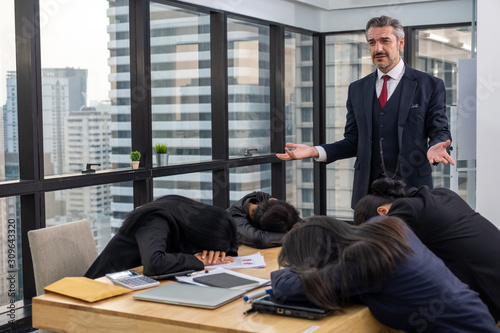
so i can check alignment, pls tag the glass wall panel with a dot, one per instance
(197, 186)
(180, 83)
(93, 203)
(347, 58)
(11, 264)
(298, 121)
(85, 85)
(437, 52)
(248, 88)
(245, 180)
(9, 143)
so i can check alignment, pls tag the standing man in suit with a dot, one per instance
(396, 122)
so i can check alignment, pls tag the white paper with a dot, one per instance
(255, 260)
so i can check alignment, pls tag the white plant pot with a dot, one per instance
(135, 164)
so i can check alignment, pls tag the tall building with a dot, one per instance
(63, 90)
(74, 135)
(87, 142)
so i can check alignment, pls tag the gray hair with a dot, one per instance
(384, 21)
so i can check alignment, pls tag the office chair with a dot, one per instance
(60, 251)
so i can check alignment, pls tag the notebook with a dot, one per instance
(190, 295)
(225, 280)
(265, 304)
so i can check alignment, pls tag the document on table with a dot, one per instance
(255, 260)
(189, 279)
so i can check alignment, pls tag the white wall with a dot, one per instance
(425, 13)
(308, 17)
(279, 11)
(488, 110)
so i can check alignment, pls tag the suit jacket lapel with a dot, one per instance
(409, 86)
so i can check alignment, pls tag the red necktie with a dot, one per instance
(383, 94)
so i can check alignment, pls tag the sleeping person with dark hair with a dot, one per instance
(170, 234)
(262, 221)
(382, 262)
(467, 242)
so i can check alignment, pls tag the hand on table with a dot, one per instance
(213, 257)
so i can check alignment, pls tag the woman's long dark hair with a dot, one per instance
(203, 226)
(383, 191)
(329, 254)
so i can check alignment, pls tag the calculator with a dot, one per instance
(132, 280)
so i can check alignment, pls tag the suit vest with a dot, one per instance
(385, 132)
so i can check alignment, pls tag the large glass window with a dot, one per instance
(245, 180)
(180, 83)
(9, 143)
(85, 85)
(93, 203)
(438, 52)
(197, 186)
(347, 58)
(298, 118)
(248, 88)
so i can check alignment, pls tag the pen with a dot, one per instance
(256, 294)
(198, 273)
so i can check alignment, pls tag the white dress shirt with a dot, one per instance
(396, 74)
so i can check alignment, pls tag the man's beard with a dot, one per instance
(389, 61)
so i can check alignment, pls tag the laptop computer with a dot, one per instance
(190, 295)
(265, 304)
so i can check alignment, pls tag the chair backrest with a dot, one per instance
(60, 251)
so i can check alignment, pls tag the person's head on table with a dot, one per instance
(170, 234)
(274, 215)
(384, 264)
(383, 193)
(202, 227)
(385, 37)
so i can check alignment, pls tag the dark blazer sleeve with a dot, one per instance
(287, 287)
(153, 241)
(347, 147)
(249, 234)
(436, 122)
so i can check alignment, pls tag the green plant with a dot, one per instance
(135, 156)
(161, 148)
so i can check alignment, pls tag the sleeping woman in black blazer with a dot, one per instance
(170, 234)
(467, 242)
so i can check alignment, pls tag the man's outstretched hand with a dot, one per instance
(297, 152)
(438, 154)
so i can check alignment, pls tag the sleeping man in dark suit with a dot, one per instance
(395, 127)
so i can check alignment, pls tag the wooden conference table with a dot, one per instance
(124, 314)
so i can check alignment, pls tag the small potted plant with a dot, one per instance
(161, 154)
(135, 156)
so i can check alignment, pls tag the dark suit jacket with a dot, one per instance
(422, 122)
(156, 245)
(467, 242)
